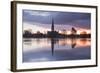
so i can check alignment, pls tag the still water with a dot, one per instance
(46, 49)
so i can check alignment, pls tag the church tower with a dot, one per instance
(52, 27)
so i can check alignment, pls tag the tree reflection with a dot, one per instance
(73, 42)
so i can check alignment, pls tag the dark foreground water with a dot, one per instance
(46, 49)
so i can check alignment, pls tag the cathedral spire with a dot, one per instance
(52, 27)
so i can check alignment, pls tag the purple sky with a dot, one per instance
(81, 20)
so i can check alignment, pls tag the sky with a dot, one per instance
(42, 20)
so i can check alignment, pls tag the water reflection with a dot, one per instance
(53, 41)
(54, 49)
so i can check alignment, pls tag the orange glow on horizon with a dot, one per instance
(35, 28)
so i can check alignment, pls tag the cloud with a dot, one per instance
(77, 19)
(37, 13)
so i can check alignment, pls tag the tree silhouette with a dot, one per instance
(73, 31)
